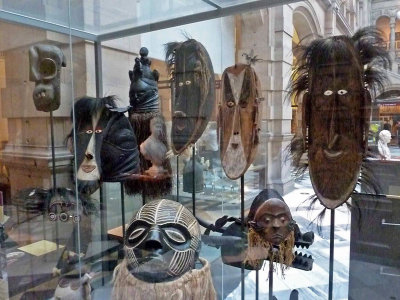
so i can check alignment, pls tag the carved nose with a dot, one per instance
(152, 245)
(153, 241)
(275, 223)
(236, 133)
(89, 155)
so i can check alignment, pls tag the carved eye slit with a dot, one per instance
(180, 83)
(188, 82)
(342, 92)
(89, 131)
(98, 131)
(230, 104)
(328, 93)
(137, 233)
(176, 236)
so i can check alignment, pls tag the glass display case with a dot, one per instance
(173, 149)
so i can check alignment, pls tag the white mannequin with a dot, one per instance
(384, 138)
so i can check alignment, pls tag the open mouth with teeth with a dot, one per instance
(40, 94)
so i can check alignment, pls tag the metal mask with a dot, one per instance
(239, 119)
(143, 92)
(106, 148)
(162, 242)
(45, 67)
(192, 91)
(333, 76)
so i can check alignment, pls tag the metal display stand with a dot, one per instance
(54, 188)
(331, 253)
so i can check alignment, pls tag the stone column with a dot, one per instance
(392, 47)
(278, 108)
(330, 20)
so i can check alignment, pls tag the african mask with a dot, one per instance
(334, 76)
(143, 92)
(192, 91)
(45, 67)
(239, 122)
(150, 130)
(271, 226)
(162, 242)
(106, 148)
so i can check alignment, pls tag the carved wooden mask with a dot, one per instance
(162, 242)
(45, 69)
(193, 91)
(239, 119)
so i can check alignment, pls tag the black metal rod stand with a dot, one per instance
(331, 253)
(53, 162)
(123, 210)
(193, 180)
(177, 178)
(271, 279)
(257, 284)
(242, 228)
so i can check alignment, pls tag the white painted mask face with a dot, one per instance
(89, 170)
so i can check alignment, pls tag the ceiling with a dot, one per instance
(100, 20)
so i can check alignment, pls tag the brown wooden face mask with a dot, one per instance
(192, 91)
(336, 118)
(239, 121)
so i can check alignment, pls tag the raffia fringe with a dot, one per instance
(259, 249)
(194, 285)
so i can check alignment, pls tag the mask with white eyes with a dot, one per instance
(162, 242)
(335, 115)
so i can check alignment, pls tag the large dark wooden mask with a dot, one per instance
(193, 91)
(334, 77)
(46, 62)
(239, 119)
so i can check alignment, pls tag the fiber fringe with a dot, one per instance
(259, 249)
(193, 285)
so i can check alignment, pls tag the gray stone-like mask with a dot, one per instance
(45, 67)
(162, 241)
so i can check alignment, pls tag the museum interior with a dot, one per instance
(199, 149)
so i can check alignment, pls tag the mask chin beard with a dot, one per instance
(88, 187)
(260, 249)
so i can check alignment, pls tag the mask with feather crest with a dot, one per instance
(335, 77)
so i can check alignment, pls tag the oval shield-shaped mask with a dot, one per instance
(239, 119)
(192, 89)
(336, 146)
(331, 83)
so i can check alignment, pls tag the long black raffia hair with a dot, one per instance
(371, 60)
